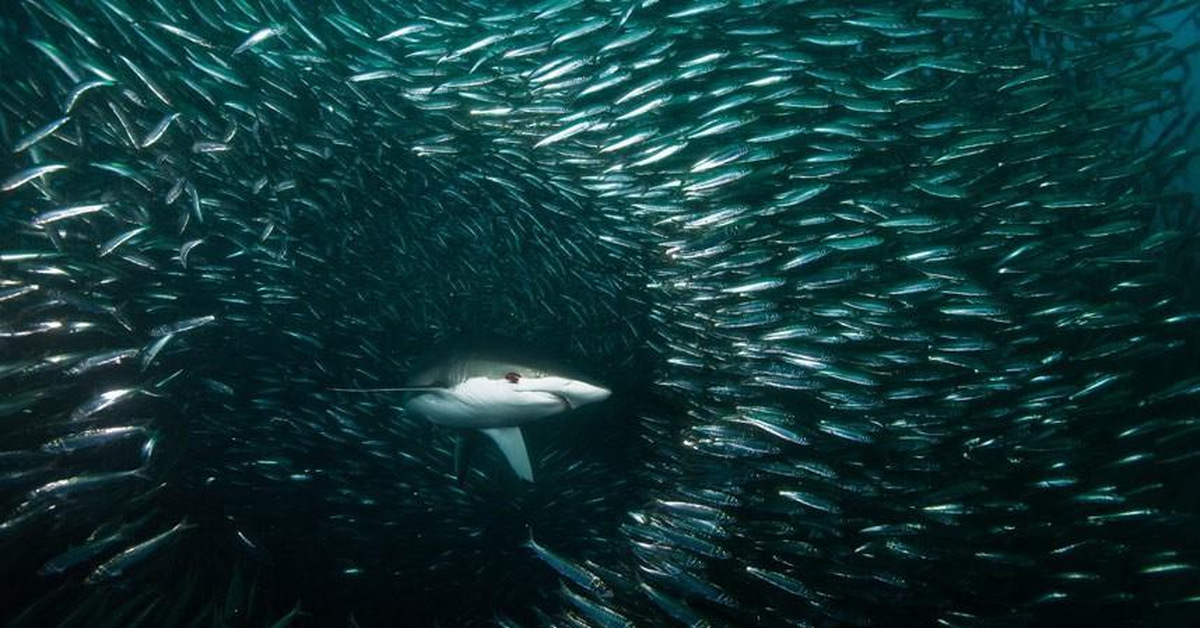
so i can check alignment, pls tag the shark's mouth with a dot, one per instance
(566, 402)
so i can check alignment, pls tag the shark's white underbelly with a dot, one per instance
(479, 403)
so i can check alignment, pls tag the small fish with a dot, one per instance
(258, 37)
(183, 34)
(404, 31)
(82, 88)
(186, 249)
(160, 129)
(83, 553)
(116, 566)
(116, 241)
(178, 327)
(25, 176)
(102, 402)
(40, 134)
(88, 439)
(107, 358)
(151, 352)
(598, 612)
(62, 213)
(570, 570)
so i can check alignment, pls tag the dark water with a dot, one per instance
(896, 301)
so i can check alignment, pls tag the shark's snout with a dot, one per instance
(571, 393)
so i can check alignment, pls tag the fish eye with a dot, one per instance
(512, 377)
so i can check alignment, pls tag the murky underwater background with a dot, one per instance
(897, 301)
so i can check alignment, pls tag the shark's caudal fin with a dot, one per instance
(512, 444)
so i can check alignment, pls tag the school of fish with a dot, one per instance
(897, 301)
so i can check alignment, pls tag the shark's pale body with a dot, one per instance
(496, 397)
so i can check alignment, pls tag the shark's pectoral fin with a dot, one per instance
(512, 444)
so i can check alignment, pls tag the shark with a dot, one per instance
(494, 396)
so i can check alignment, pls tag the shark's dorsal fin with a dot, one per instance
(512, 444)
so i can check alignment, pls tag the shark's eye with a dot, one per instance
(512, 377)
